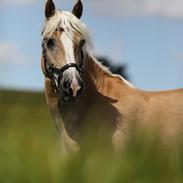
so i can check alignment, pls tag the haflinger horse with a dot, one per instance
(81, 93)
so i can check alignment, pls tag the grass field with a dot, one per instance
(30, 151)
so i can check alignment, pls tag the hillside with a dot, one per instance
(23, 107)
(27, 137)
(30, 151)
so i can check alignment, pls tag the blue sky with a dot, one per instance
(146, 35)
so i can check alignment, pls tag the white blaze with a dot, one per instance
(68, 48)
(70, 58)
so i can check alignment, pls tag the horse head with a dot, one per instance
(64, 47)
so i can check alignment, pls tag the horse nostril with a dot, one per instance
(66, 85)
(80, 90)
(70, 90)
(81, 84)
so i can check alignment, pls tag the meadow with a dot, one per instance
(30, 151)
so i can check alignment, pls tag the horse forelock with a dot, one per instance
(72, 26)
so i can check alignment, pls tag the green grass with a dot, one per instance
(30, 151)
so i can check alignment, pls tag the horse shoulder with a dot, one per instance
(130, 101)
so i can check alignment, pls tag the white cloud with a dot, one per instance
(179, 58)
(19, 1)
(34, 1)
(9, 53)
(122, 8)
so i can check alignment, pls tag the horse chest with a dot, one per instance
(79, 121)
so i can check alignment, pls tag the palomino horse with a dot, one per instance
(80, 91)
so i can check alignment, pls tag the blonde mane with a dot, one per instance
(74, 26)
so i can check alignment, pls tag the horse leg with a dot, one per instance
(52, 101)
(67, 144)
(119, 139)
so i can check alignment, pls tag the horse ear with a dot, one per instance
(49, 9)
(78, 9)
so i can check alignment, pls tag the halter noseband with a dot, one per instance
(51, 72)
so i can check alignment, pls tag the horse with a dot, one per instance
(82, 94)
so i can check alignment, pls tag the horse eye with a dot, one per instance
(50, 43)
(82, 42)
(60, 29)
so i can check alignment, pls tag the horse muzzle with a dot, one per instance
(70, 88)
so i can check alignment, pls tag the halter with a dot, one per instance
(56, 74)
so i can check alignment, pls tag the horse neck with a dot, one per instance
(100, 78)
(102, 91)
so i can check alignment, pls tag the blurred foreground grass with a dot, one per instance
(30, 152)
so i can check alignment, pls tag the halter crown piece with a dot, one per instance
(56, 74)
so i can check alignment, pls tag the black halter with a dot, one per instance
(56, 74)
